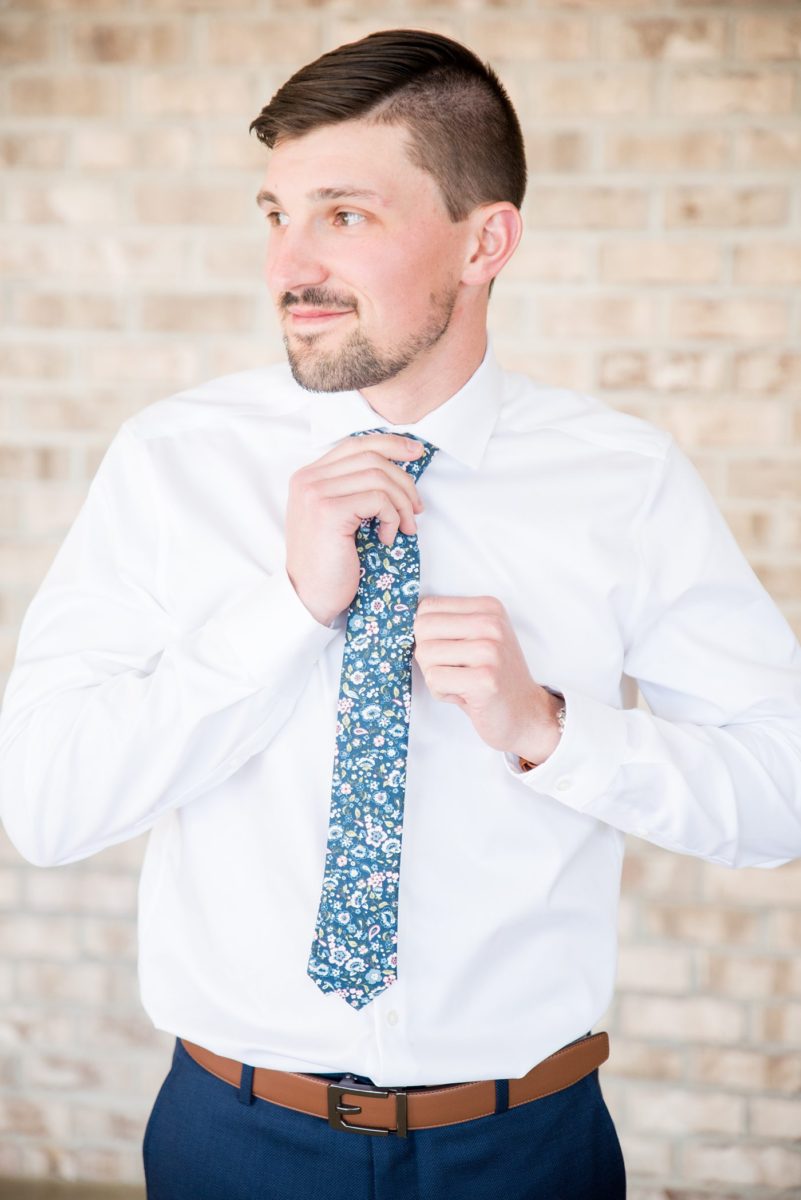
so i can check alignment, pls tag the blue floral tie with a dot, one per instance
(354, 952)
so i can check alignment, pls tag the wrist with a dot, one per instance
(547, 734)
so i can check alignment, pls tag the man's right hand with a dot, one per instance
(328, 500)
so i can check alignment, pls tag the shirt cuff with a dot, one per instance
(270, 629)
(586, 760)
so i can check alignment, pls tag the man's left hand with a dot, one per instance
(469, 655)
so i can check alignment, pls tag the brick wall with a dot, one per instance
(660, 269)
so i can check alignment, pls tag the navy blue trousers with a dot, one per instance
(207, 1140)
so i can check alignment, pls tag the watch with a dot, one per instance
(525, 765)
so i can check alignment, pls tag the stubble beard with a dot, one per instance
(358, 363)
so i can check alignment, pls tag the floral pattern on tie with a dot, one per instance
(354, 953)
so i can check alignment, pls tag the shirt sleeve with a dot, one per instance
(714, 768)
(111, 714)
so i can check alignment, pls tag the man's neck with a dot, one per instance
(427, 383)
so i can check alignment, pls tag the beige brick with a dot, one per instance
(570, 370)
(654, 969)
(65, 95)
(736, 1163)
(68, 1072)
(658, 150)
(238, 43)
(768, 36)
(118, 1031)
(549, 260)
(42, 1118)
(778, 1023)
(68, 310)
(34, 462)
(121, 1121)
(778, 528)
(633, 1059)
(783, 929)
(529, 38)
(664, 261)
(195, 93)
(142, 44)
(768, 371)
(561, 150)
(595, 316)
(667, 372)
(764, 479)
(751, 319)
(690, 1018)
(23, 40)
(712, 93)
(103, 148)
(723, 422)
(235, 257)
(682, 1111)
(590, 94)
(774, 1118)
(743, 975)
(680, 39)
(761, 149)
(721, 206)
(238, 152)
(198, 314)
(50, 511)
(781, 580)
(660, 874)
(33, 148)
(23, 935)
(647, 1158)
(10, 887)
(79, 983)
(745, 1070)
(754, 886)
(25, 562)
(72, 412)
(586, 208)
(768, 262)
(78, 891)
(71, 202)
(193, 6)
(140, 360)
(700, 924)
(184, 204)
(109, 938)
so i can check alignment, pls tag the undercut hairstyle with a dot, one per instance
(463, 128)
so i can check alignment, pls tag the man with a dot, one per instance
(236, 608)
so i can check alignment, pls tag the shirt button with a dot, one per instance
(563, 784)
(392, 1017)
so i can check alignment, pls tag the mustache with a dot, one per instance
(314, 297)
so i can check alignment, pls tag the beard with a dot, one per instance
(358, 362)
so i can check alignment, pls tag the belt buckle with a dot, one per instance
(337, 1110)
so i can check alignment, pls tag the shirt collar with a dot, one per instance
(461, 426)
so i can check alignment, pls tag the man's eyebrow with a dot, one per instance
(346, 192)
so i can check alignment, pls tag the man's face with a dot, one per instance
(364, 283)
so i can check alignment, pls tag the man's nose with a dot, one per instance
(292, 262)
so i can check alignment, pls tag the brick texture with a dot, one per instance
(660, 269)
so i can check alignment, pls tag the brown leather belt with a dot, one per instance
(394, 1110)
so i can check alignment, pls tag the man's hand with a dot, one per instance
(329, 499)
(470, 656)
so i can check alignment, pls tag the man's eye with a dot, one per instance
(358, 217)
(280, 218)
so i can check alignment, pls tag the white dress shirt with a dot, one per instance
(168, 678)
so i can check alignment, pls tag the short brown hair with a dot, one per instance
(464, 130)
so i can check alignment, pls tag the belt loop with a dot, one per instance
(246, 1085)
(501, 1095)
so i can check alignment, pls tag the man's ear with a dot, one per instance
(496, 231)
